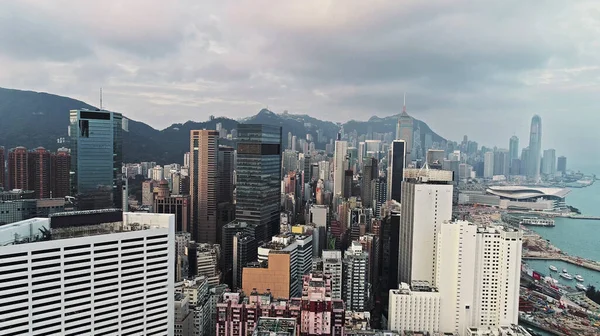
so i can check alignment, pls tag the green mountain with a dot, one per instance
(33, 119)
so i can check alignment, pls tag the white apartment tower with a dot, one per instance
(356, 283)
(488, 165)
(341, 149)
(426, 204)
(414, 309)
(100, 272)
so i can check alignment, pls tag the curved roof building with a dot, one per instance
(522, 193)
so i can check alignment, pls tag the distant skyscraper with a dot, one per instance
(561, 166)
(18, 177)
(501, 162)
(225, 167)
(2, 169)
(513, 148)
(61, 173)
(549, 167)
(258, 172)
(535, 148)
(39, 168)
(524, 161)
(404, 130)
(204, 152)
(488, 165)
(341, 149)
(426, 204)
(370, 173)
(396, 170)
(96, 158)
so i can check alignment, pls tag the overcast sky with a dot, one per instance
(481, 68)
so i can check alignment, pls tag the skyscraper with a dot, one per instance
(39, 167)
(2, 169)
(341, 149)
(204, 151)
(561, 166)
(370, 173)
(488, 165)
(96, 158)
(225, 167)
(501, 162)
(524, 161)
(513, 148)
(549, 167)
(356, 274)
(258, 176)
(404, 130)
(396, 169)
(426, 204)
(535, 148)
(18, 177)
(61, 173)
(244, 251)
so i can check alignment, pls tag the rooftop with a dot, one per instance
(523, 192)
(275, 326)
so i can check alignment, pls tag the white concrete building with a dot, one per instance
(157, 173)
(332, 264)
(319, 215)
(488, 165)
(341, 149)
(414, 309)
(98, 272)
(426, 204)
(355, 292)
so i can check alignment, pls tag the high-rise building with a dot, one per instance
(208, 263)
(347, 188)
(197, 291)
(179, 205)
(321, 313)
(244, 251)
(396, 169)
(356, 278)
(3, 184)
(204, 152)
(535, 148)
(258, 176)
(331, 263)
(18, 167)
(488, 165)
(39, 169)
(71, 270)
(61, 173)
(415, 308)
(513, 148)
(524, 162)
(96, 158)
(379, 194)
(561, 165)
(339, 168)
(549, 167)
(184, 316)
(390, 227)
(426, 204)
(404, 130)
(370, 173)
(501, 162)
(275, 277)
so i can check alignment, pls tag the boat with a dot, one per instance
(565, 270)
(579, 278)
(581, 287)
(553, 268)
(537, 221)
(566, 276)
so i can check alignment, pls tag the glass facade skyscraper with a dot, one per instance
(96, 158)
(258, 172)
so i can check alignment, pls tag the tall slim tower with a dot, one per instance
(96, 158)
(404, 130)
(61, 168)
(513, 148)
(17, 168)
(225, 167)
(258, 172)
(39, 162)
(397, 164)
(535, 148)
(2, 169)
(370, 173)
(204, 152)
(341, 149)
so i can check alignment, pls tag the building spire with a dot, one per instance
(404, 106)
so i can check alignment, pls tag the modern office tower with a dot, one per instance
(331, 263)
(96, 158)
(347, 187)
(39, 170)
(488, 165)
(478, 276)
(227, 248)
(275, 277)
(307, 169)
(339, 168)
(258, 176)
(204, 152)
(324, 170)
(186, 159)
(370, 173)
(513, 148)
(289, 140)
(379, 194)
(396, 169)
(184, 316)
(356, 285)
(464, 171)
(435, 158)
(197, 290)
(362, 153)
(501, 162)
(426, 204)
(244, 251)
(321, 313)
(93, 272)
(294, 143)
(225, 166)
(549, 167)
(415, 307)
(515, 167)
(2, 169)
(148, 193)
(390, 227)
(535, 148)
(61, 173)
(18, 177)
(289, 161)
(404, 130)
(524, 161)
(372, 246)
(561, 165)
(373, 148)
(352, 157)
(208, 263)
(179, 205)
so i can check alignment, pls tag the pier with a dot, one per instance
(584, 217)
(561, 257)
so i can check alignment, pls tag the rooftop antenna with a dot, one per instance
(101, 98)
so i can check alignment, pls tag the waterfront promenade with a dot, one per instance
(535, 247)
